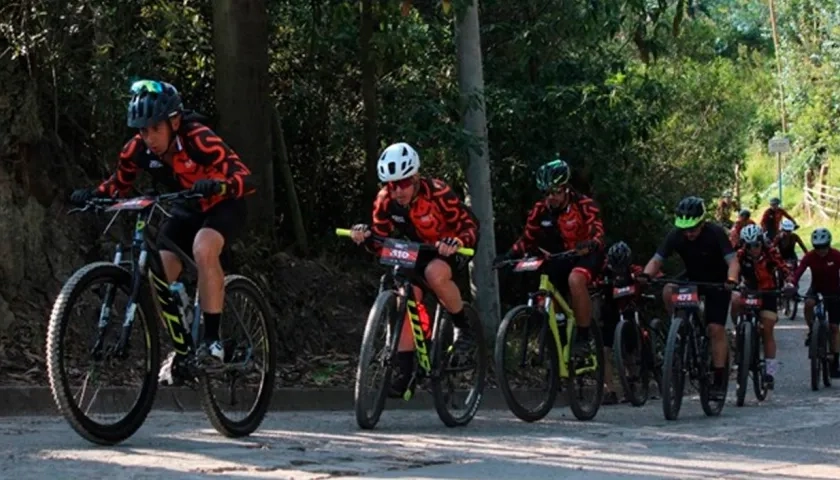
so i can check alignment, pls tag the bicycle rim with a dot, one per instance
(370, 399)
(59, 372)
(744, 359)
(516, 349)
(585, 397)
(454, 381)
(257, 343)
(630, 362)
(759, 368)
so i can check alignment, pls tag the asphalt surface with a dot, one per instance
(791, 435)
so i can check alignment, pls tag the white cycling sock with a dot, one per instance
(772, 366)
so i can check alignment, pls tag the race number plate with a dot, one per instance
(528, 265)
(619, 292)
(686, 296)
(752, 300)
(398, 253)
(133, 204)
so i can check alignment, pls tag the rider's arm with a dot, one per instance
(532, 230)
(592, 217)
(734, 272)
(127, 170)
(776, 258)
(213, 152)
(664, 251)
(729, 255)
(786, 214)
(456, 214)
(382, 225)
(799, 241)
(803, 265)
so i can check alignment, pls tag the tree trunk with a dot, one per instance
(279, 140)
(368, 62)
(480, 197)
(240, 41)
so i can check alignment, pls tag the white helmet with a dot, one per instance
(787, 225)
(752, 234)
(397, 162)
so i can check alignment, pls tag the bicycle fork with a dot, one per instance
(421, 352)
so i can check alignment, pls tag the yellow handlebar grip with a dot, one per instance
(342, 232)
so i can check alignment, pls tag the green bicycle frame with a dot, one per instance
(564, 350)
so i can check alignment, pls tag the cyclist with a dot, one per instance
(824, 263)
(787, 241)
(758, 265)
(725, 207)
(424, 210)
(179, 152)
(743, 220)
(773, 217)
(565, 220)
(618, 271)
(708, 257)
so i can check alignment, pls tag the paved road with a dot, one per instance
(792, 435)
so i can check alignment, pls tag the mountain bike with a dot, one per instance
(819, 347)
(547, 315)
(749, 348)
(137, 273)
(687, 351)
(638, 344)
(436, 361)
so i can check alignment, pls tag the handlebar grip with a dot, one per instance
(466, 251)
(342, 232)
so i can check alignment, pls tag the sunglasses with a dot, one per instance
(401, 184)
(146, 85)
(754, 244)
(555, 191)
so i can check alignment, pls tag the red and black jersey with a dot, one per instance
(771, 219)
(556, 230)
(760, 272)
(201, 155)
(787, 245)
(435, 213)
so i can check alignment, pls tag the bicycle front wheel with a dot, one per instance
(673, 370)
(250, 361)
(100, 291)
(744, 359)
(525, 341)
(375, 359)
(633, 371)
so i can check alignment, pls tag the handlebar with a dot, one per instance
(675, 281)
(345, 232)
(99, 203)
(548, 256)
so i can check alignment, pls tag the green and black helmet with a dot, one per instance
(690, 212)
(552, 175)
(152, 102)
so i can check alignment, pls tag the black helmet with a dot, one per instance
(152, 101)
(775, 202)
(690, 212)
(552, 175)
(618, 256)
(744, 213)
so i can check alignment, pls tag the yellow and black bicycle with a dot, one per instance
(541, 334)
(448, 374)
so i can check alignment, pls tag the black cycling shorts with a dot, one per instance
(832, 307)
(558, 270)
(228, 217)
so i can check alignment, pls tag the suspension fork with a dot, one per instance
(105, 309)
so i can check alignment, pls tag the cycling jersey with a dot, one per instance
(559, 229)
(735, 233)
(706, 257)
(435, 213)
(200, 154)
(759, 273)
(787, 245)
(825, 271)
(724, 209)
(771, 219)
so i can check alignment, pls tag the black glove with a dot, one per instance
(208, 187)
(730, 284)
(451, 242)
(80, 196)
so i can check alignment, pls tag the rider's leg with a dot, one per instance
(735, 306)
(808, 312)
(832, 309)
(768, 317)
(439, 277)
(667, 292)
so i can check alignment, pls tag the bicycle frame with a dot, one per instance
(408, 306)
(552, 298)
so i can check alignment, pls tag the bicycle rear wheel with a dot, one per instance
(815, 353)
(257, 343)
(377, 360)
(450, 376)
(525, 340)
(633, 371)
(117, 280)
(673, 369)
(759, 367)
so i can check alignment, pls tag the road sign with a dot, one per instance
(779, 145)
